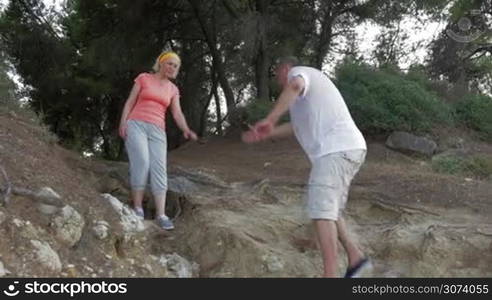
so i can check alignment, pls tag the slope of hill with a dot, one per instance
(238, 210)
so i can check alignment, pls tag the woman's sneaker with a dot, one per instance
(165, 223)
(139, 212)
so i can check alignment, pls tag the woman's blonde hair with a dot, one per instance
(163, 56)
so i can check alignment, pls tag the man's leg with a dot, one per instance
(354, 254)
(326, 231)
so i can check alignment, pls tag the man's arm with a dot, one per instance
(289, 94)
(280, 131)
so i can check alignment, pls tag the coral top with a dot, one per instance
(153, 99)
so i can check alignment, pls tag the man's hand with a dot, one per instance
(250, 136)
(260, 131)
(264, 128)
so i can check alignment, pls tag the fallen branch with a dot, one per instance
(179, 210)
(44, 195)
(479, 231)
(8, 189)
(403, 207)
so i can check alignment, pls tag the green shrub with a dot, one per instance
(475, 111)
(475, 166)
(256, 110)
(448, 165)
(385, 100)
(479, 166)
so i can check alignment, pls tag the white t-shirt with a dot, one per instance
(321, 120)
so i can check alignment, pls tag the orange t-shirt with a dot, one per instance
(152, 100)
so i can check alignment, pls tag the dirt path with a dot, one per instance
(412, 221)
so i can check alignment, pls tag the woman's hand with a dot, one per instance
(189, 134)
(122, 130)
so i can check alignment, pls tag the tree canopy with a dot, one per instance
(78, 64)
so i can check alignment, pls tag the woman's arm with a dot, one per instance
(130, 102)
(180, 119)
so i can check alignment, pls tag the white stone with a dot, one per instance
(68, 224)
(47, 209)
(3, 271)
(130, 222)
(273, 263)
(101, 230)
(18, 222)
(177, 265)
(47, 256)
(47, 192)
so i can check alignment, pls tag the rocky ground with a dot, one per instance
(238, 212)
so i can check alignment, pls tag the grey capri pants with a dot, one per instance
(146, 145)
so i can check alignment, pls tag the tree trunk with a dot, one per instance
(216, 56)
(213, 89)
(324, 40)
(218, 111)
(262, 61)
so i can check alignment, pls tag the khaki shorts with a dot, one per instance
(329, 183)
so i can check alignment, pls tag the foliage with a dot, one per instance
(475, 111)
(384, 100)
(476, 166)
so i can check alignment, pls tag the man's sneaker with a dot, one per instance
(165, 223)
(139, 212)
(357, 270)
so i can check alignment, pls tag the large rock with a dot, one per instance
(129, 221)
(178, 266)
(46, 256)
(181, 185)
(406, 142)
(273, 263)
(68, 225)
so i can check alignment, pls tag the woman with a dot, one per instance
(142, 126)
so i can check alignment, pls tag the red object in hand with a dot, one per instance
(263, 128)
(250, 137)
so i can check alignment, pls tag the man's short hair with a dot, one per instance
(289, 60)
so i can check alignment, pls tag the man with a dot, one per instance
(336, 148)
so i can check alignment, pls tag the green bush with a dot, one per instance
(475, 166)
(448, 165)
(475, 111)
(385, 100)
(256, 110)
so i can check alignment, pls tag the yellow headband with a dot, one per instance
(167, 55)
